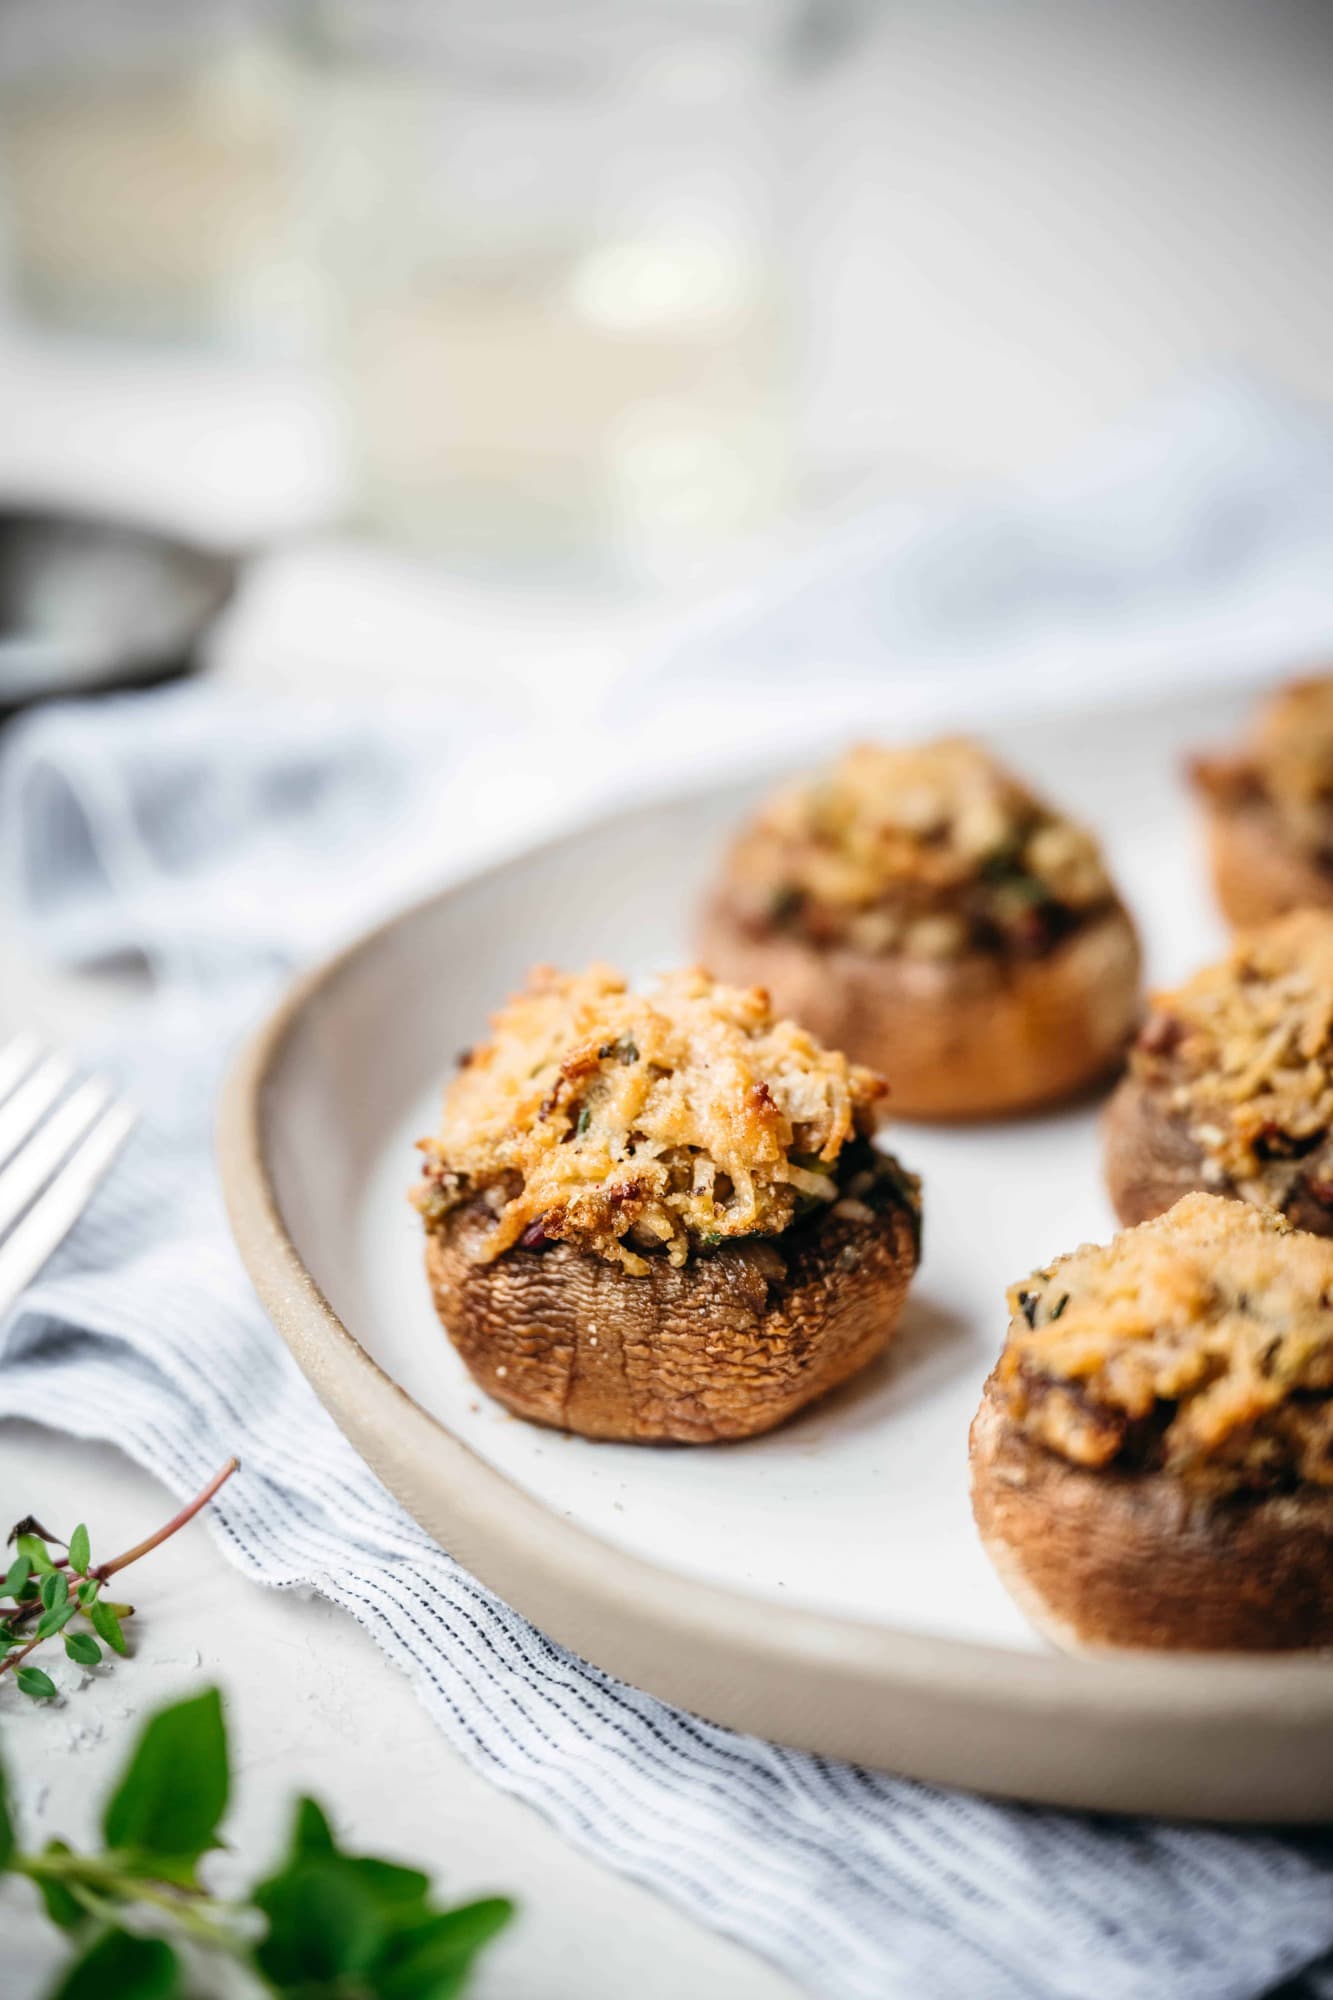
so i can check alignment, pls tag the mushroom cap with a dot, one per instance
(1150, 1157)
(725, 1345)
(1258, 870)
(971, 1037)
(1117, 1558)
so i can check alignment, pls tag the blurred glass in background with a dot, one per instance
(147, 154)
(554, 234)
(541, 248)
(611, 290)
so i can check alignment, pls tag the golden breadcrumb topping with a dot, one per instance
(931, 851)
(623, 1122)
(1288, 762)
(1245, 1047)
(1201, 1342)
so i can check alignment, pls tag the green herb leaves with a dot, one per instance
(62, 1907)
(33, 1550)
(321, 1926)
(131, 1968)
(174, 1790)
(80, 1554)
(59, 1608)
(45, 1594)
(434, 1961)
(106, 1624)
(336, 1919)
(54, 1589)
(326, 1926)
(41, 1605)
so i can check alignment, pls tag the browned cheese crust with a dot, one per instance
(1151, 1161)
(973, 1037)
(923, 909)
(1269, 807)
(724, 1346)
(1152, 1460)
(1106, 1559)
(1229, 1086)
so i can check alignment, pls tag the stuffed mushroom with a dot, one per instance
(661, 1216)
(924, 910)
(1269, 807)
(1152, 1461)
(1229, 1086)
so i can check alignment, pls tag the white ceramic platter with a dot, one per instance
(823, 1584)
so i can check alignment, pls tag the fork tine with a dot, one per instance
(51, 1218)
(30, 1103)
(34, 1164)
(16, 1059)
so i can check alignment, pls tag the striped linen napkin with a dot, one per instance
(213, 840)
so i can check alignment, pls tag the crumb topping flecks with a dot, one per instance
(1200, 1343)
(1243, 1051)
(670, 1121)
(930, 851)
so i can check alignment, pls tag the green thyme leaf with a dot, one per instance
(584, 1121)
(87, 1593)
(322, 1924)
(15, 1577)
(311, 1832)
(62, 1908)
(174, 1789)
(83, 1648)
(396, 1891)
(119, 1966)
(107, 1626)
(55, 1590)
(33, 1682)
(35, 1551)
(80, 1553)
(55, 1621)
(434, 1960)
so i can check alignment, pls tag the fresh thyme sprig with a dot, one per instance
(326, 1925)
(55, 1590)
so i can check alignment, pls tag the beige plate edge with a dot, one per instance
(1244, 1739)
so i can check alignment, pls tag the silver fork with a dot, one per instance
(58, 1136)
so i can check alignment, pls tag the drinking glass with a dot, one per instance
(552, 233)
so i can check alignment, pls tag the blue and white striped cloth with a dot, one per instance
(209, 839)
